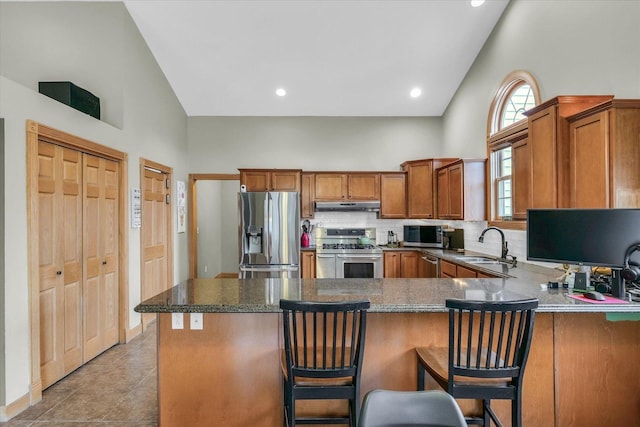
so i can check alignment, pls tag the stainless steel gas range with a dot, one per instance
(348, 253)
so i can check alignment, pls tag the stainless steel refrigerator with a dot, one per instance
(269, 233)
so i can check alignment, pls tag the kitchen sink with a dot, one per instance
(471, 259)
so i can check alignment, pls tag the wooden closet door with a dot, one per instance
(155, 217)
(101, 265)
(110, 265)
(60, 260)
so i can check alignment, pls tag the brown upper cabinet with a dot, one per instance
(307, 196)
(604, 151)
(421, 186)
(393, 192)
(548, 148)
(331, 186)
(271, 179)
(461, 190)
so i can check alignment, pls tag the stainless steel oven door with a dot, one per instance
(359, 266)
(325, 266)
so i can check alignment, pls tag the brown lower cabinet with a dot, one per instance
(308, 264)
(403, 264)
(452, 271)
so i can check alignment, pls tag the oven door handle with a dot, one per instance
(374, 257)
(324, 256)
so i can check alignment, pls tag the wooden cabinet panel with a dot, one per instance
(347, 186)
(330, 186)
(521, 178)
(393, 195)
(271, 179)
(392, 264)
(402, 264)
(447, 269)
(409, 264)
(363, 186)
(255, 180)
(589, 183)
(452, 270)
(461, 190)
(604, 152)
(308, 264)
(544, 158)
(421, 186)
(465, 272)
(307, 197)
(285, 180)
(456, 191)
(548, 142)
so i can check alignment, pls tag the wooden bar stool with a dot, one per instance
(322, 356)
(489, 344)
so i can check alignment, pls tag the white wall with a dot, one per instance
(586, 47)
(224, 144)
(118, 66)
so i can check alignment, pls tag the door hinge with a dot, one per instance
(167, 199)
(167, 184)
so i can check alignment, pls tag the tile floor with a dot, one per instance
(117, 388)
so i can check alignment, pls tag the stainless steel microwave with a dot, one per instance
(425, 236)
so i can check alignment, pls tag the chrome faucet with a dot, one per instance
(505, 249)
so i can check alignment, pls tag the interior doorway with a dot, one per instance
(213, 225)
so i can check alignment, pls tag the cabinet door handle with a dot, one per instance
(58, 273)
(104, 262)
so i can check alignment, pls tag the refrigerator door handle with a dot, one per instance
(266, 235)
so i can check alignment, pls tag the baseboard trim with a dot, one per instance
(227, 276)
(131, 333)
(14, 408)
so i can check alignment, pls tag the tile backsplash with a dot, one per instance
(517, 239)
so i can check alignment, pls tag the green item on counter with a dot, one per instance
(619, 317)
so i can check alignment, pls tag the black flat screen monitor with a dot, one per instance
(594, 237)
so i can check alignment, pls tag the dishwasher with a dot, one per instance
(429, 266)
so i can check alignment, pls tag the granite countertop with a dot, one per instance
(386, 295)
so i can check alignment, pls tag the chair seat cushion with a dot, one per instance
(313, 382)
(436, 362)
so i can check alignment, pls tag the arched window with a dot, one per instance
(505, 132)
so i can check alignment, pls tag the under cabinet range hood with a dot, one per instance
(350, 206)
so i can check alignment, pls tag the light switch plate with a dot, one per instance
(196, 320)
(177, 321)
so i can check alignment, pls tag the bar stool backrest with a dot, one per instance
(489, 339)
(324, 339)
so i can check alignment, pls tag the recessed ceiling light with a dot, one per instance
(476, 3)
(415, 92)
(281, 92)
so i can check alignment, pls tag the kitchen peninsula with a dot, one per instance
(583, 367)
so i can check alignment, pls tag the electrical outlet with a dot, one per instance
(196, 320)
(177, 321)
